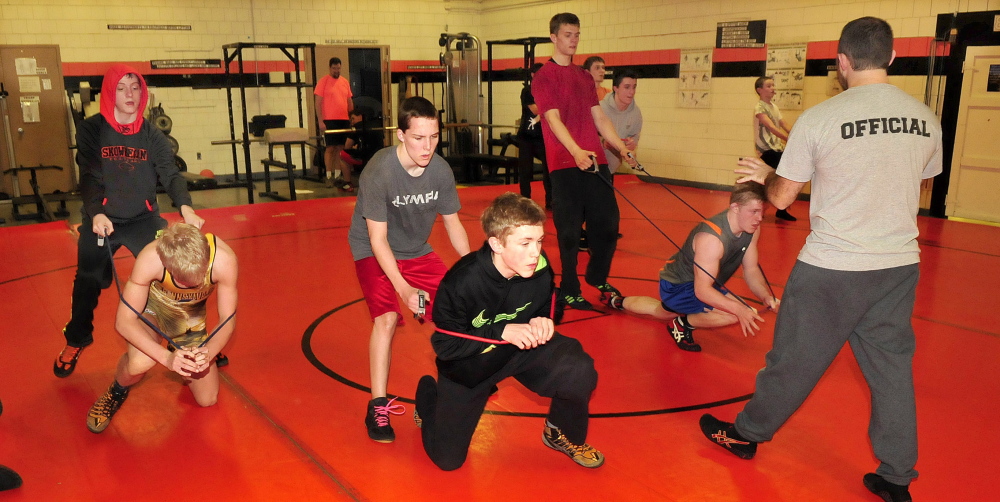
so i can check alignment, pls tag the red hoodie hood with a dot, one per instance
(108, 93)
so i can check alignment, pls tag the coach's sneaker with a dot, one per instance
(682, 333)
(106, 406)
(584, 454)
(377, 419)
(890, 492)
(66, 362)
(724, 434)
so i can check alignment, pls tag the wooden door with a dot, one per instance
(38, 119)
(975, 172)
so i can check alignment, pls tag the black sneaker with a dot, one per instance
(221, 360)
(577, 302)
(106, 406)
(890, 492)
(8, 479)
(377, 419)
(682, 333)
(724, 434)
(584, 454)
(584, 245)
(782, 214)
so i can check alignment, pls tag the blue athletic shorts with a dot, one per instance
(680, 298)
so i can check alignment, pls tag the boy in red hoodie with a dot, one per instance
(121, 157)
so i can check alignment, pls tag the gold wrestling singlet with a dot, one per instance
(180, 312)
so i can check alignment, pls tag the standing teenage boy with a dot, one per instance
(403, 189)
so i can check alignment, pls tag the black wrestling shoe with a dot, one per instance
(8, 479)
(890, 492)
(682, 333)
(782, 214)
(607, 290)
(106, 406)
(724, 434)
(377, 419)
(576, 302)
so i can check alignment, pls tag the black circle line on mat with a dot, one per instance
(311, 357)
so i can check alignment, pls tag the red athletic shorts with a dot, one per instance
(424, 273)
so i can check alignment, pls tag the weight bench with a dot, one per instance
(285, 137)
(474, 162)
(40, 200)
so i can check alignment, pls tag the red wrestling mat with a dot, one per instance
(289, 422)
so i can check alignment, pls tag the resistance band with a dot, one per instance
(422, 302)
(638, 167)
(596, 172)
(147, 322)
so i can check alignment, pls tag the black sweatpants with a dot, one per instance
(93, 270)
(579, 197)
(559, 370)
(527, 151)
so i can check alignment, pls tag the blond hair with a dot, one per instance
(184, 252)
(508, 212)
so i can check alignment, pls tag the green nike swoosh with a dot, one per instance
(479, 321)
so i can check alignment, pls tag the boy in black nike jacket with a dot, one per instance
(493, 317)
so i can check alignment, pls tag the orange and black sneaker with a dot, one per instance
(66, 362)
(106, 406)
(584, 454)
(724, 434)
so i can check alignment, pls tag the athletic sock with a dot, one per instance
(118, 389)
(683, 320)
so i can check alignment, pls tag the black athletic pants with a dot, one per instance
(559, 370)
(579, 197)
(527, 151)
(93, 270)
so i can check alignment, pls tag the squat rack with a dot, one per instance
(297, 54)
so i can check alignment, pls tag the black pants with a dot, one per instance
(93, 270)
(527, 152)
(579, 197)
(559, 370)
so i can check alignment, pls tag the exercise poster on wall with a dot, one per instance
(787, 64)
(695, 78)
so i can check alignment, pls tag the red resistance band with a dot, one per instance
(552, 313)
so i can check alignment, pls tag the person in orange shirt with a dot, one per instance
(334, 103)
(595, 67)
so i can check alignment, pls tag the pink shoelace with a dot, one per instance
(382, 412)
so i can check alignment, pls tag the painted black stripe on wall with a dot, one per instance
(901, 66)
(196, 81)
(738, 69)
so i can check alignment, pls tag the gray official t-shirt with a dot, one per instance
(865, 151)
(409, 204)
